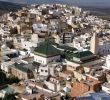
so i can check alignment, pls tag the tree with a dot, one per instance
(3, 78)
(44, 11)
(14, 30)
(9, 97)
(10, 44)
(73, 11)
(66, 97)
(13, 80)
(0, 98)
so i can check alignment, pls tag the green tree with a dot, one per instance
(66, 97)
(0, 98)
(10, 97)
(14, 30)
(13, 80)
(10, 44)
(3, 78)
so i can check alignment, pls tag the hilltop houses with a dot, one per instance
(58, 52)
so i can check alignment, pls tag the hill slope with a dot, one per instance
(16, 1)
(7, 7)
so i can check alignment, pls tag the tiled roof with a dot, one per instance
(65, 47)
(20, 67)
(46, 50)
(35, 64)
(82, 54)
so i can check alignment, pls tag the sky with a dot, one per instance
(96, 3)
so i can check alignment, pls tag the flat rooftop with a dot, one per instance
(106, 84)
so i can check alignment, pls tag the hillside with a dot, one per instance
(7, 6)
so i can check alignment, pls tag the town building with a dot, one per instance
(46, 53)
(21, 71)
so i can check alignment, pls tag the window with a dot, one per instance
(40, 61)
(42, 70)
(46, 71)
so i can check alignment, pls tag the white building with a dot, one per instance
(108, 61)
(40, 27)
(104, 48)
(43, 70)
(11, 53)
(54, 83)
(106, 87)
(46, 53)
(35, 11)
(6, 66)
(107, 64)
(27, 44)
(51, 69)
(37, 38)
(32, 43)
(4, 31)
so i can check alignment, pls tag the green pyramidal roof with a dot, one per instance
(46, 50)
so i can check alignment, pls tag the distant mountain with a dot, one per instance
(16, 1)
(8, 6)
(96, 3)
(44, 1)
(37, 1)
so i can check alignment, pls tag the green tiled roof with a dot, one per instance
(20, 67)
(84, 61)
(35, 64)
(79, 55)
(46, 50)
(65, 47)
(69, 55)
(82, 54)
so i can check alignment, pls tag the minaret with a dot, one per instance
(94, 44)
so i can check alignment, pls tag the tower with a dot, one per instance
(35, 38)
(94, 44)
